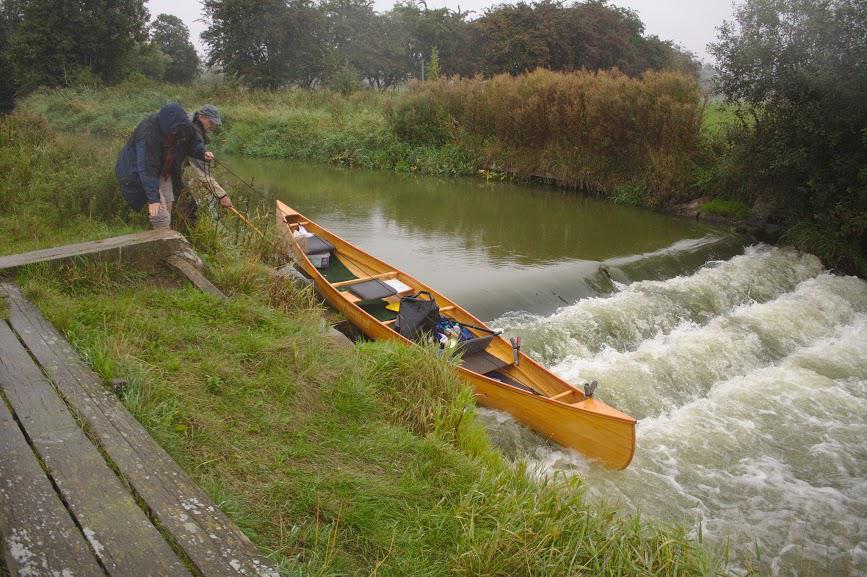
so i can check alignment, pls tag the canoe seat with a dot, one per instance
(315, 245)
(372, 289)
(483, 362)
(475, 345)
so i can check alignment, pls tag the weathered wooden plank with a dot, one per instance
(39, 536)
(145, 249)
(122, 536)
(192, 273)
(210, 540)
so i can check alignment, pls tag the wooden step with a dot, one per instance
(38, 534)
(108, 515)
(211, 541)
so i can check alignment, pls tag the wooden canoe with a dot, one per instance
(529, 392)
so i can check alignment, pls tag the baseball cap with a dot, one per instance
(211, 112)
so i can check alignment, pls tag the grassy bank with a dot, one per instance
(620, 132)
(358, 461)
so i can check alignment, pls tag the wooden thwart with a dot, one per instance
(209, 539)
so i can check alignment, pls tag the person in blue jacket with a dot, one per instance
(150, 164)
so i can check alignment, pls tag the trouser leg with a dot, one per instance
(186, 211)
(163, 219)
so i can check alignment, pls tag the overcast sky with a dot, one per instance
(689, 23)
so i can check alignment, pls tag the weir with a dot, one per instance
(750, 378)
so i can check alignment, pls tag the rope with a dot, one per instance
(232, 209)
(229, 170)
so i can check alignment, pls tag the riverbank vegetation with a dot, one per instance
(798, 153)
(574, 94)
(335, 461)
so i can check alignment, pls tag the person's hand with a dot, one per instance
(209, 156)
(226, 202)
(153, 209)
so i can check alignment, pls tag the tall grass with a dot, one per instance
(596, 131)
(56, 188)
(314, 126)
(593, 130)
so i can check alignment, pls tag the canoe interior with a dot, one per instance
(531, 393)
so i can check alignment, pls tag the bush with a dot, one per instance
(798, 71)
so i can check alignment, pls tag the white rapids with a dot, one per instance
(749, 378)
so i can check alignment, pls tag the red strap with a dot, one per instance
(170, 155)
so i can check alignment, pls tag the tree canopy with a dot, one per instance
(52, 41)
(798, 71)
(173, 38)
(276, 42)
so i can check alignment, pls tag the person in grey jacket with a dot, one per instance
(204, 120)
(149, 166)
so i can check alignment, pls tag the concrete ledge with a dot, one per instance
(145, 250)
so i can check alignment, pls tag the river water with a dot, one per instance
(745, 365)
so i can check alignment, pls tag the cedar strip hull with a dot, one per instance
(560, 412)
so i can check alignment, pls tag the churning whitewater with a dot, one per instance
(749, 378)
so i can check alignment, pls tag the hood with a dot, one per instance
(172, 118)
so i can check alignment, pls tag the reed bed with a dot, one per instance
(592, 130)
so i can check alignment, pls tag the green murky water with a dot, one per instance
(494, 247)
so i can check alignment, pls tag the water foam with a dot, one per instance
(755, 411)
(644, 309)
(671, 369)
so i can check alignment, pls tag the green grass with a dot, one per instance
(366, 460)
(718, 115)
(338, 461)
(731, 209)
(296, 124)
(364, 130)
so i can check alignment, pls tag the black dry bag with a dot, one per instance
(417, 315)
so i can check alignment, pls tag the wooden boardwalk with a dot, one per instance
(84, 490)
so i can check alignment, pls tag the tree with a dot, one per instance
(8, 15)
(518, 37)
(149, 60)
(265, 43)
(797, 70)
(510, 39)
(53, 39)
(173, 38)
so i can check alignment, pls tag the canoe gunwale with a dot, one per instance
(367, 323)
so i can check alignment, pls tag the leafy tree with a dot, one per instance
(55, 38)
(265, 43)
(173, 39)
(442, 28)
(798, 71)
(381, 55)
(518, 37)
(8, 16)
(249, 39)
(150, 61)
(511, 38)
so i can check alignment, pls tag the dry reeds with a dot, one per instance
(593, 130)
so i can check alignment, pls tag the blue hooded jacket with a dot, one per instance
(141, 160)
